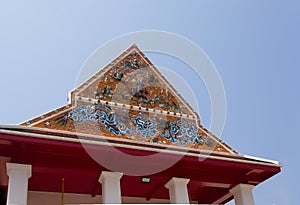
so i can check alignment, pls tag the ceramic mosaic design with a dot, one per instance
(179, 131)
(134, 81)
(129, 99)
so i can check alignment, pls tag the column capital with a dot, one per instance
(176, 180)
(18, 167)
(18, 183)
(111, 188)
(178, 190)
(242, 194)
(111, 175)
(241, 187)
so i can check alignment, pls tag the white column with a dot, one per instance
(17, 183)
(243, 194)
(111, 189)
(178, 190)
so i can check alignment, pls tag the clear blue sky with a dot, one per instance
(253, 44)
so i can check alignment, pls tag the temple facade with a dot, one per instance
(126, 136)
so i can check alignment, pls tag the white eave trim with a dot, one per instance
(201, 154)
(262, 159)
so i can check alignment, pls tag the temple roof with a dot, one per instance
(130, 105)
(130, 100)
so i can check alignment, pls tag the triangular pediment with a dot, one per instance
(129, 99)
(131, 79)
